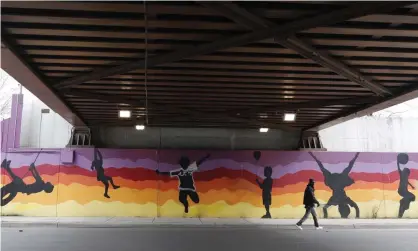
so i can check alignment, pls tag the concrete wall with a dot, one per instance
(373, 134)
(44, 130)
(50, 130)
(10, 128)
(224, 185)
(194, 138)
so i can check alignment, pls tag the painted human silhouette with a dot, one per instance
(338, 182)
(97, 164)
(266, 186)
(17, 185)
(407, 196)
(185, 176)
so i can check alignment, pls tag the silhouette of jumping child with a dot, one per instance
(18, 186)
(185, 176)
(338, 182)
(97, 165)
(407, 197)
(266, 186)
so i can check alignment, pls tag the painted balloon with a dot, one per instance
(257, 155)
(403, 158)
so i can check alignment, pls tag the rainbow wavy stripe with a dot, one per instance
(224, 191)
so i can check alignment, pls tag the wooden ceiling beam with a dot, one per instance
(294, 105)
(252, 21)
(304, 85)
(119, 7)
(373, 54)
(152, 89)
(353, 11)
(333, 64)
(188, 111)
(299, 78)
(310, 104)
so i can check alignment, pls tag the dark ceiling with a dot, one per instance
(219, 64)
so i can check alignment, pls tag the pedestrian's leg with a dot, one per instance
(305, 216)
(314, 216)
(106, 184)
(183, 200)
(111, 182)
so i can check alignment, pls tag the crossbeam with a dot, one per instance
(251, 21)
(18, 65)
(285, 30)
(311, 104)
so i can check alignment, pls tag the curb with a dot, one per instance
(213, 225)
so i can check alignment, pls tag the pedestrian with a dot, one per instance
(309, 201)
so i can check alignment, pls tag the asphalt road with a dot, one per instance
(205, 239)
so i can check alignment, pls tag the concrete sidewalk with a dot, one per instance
(136, 222)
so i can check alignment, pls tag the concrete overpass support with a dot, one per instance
(194, 138)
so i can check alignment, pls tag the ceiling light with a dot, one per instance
(262, 129)
(289, 116)
(124, 114)
(263, 115)
(139, 127)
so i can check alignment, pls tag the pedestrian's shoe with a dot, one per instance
(319, 228)
(267, 216)
(300, 227)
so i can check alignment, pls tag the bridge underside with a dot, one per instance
(225, 65)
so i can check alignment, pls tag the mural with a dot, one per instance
(191, 183)
(17, 185)
(407, 197)
(338, 182)
(186, 181)
(97, 164)
(266, 186)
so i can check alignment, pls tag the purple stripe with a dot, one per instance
(282, 162)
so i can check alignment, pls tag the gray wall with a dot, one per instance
(194, 138)
(372, 134)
